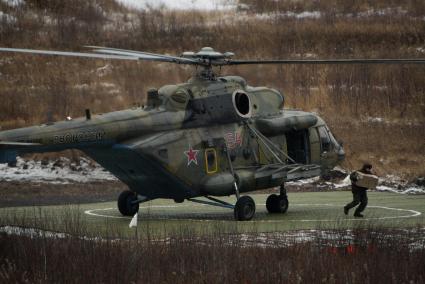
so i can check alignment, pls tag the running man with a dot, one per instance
(359, 193)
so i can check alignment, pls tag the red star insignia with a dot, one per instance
(191, 156)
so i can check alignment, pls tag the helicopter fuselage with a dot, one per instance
(193, 139)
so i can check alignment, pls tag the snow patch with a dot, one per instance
(243, 16)
(323, 238)
(104, 70)
(32, 233)
(35, 233)
(208, 5)
(375, 119)
(340, 180)
(303, 15)
(14, 3)
(62, 171)
(344, 183)
(383, 12)
(108, 85)
(408, 190)
(7, 18)
(82, 87)
(304, 181)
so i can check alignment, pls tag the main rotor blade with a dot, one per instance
(66, 53)
(107, 53)
(144, 55)
(328, 61)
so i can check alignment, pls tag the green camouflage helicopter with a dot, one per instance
(211, 136)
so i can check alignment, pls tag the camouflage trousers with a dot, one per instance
(359, 197)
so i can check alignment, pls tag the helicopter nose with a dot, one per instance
(341, 154)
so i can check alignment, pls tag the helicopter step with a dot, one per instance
(289, 172)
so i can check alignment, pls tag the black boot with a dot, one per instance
(358, 215)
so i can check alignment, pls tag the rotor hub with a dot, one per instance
(208, 54)
(207, 57)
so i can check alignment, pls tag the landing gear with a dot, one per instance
(278, 203)
(244, 208)
(128, 204)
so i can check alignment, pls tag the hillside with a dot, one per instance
(378, 111)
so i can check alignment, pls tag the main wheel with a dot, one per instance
(277, 203)
(125, 205)
(244, 208)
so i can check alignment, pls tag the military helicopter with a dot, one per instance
(209, 137)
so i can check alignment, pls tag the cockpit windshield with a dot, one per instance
(327, 140)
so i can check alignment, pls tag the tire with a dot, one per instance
(271, 203)
(283, 204)
(244, 209)
(277, 203)
(124, 203)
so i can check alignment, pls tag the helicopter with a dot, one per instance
(209, 137)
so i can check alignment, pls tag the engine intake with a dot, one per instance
(242, 104)
(225, 108)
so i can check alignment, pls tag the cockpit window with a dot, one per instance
(325, 140)
(333, 139)
(176, 99)
(180, 97)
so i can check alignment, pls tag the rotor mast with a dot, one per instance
(207, 57)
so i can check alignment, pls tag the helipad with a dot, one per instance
(170, 212)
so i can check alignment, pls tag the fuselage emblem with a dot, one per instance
(192, 156)
(233, 139)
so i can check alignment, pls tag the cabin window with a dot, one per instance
(325, 140)
(210, 160)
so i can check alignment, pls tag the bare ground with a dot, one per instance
(31, 193)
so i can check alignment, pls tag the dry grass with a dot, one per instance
(362, 256)
(34, 88)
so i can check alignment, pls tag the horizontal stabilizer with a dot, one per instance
(10, 144)
(9, 150)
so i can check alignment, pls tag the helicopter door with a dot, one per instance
(297, 145)
(211, 164)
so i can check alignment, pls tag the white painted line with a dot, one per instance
(413, 213)
(90, 212)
